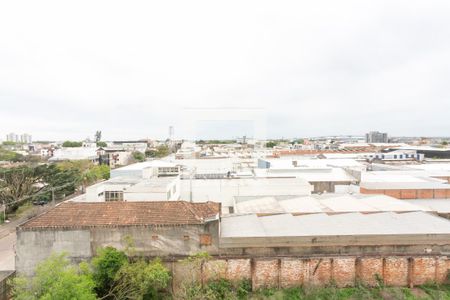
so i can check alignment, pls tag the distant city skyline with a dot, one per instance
(314, 68)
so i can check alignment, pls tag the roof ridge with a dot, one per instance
(192, 210)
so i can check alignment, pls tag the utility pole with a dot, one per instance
(191, 173)
(4, 210)
(53, 196)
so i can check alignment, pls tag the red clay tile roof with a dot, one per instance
(73, 214)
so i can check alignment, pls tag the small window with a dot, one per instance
(154, 237)
(186, 238)
(114, 196)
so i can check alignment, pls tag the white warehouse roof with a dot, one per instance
(289, 230)
(326, 203)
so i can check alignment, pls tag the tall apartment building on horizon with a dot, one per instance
(376, 137)
(23, 138)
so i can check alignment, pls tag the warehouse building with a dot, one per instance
(331, 234)
(404, 185)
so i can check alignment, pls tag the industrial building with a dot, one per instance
(224, 190)
(325, 203)
(323, 174)
(404, 184)
(346, 233)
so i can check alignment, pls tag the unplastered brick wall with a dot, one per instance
(342, 271)
(410, 193)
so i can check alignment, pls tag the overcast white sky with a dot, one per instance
(132, 68)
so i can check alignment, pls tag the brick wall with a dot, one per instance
(410, 193)
(343, 271)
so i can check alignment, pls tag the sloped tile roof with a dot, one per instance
(73, 214)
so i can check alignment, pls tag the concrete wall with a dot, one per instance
(327, 186)
(35, 246)
(80, 244)
(174, 187)
(410, 193)
(341, 270)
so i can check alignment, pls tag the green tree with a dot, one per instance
(6, 155)
(72, 144)
(55, 278)
(98, 136)
(444, 143)
(138, 156)
(161, 151)
(9, 143)
(101, 144)
(87, 172)
(140, 280)
(271, 144)
(63, 181)
(105, 266)
(298, 141)
(20, 184)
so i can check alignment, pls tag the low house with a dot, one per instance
(165, 229)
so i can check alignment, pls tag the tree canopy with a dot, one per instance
(68, 144)
(271, 144)
(159, 152)
(7, 155)
(138, 156)
(101, 144)
(29, 182)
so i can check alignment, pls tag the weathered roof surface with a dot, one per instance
(76, 214)
(347, 224)
(326, 203)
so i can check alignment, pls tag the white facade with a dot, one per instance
(133, 189)
(155, 189)
(75, 153)
(12, 137)
(25, 138)
(147, 169)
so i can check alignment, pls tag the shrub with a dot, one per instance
(219, 289)
(105, 265)
(244, 288)
(55, 278)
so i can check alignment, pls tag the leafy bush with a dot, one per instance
(138, 156)
(55, 279)
(244, 288)
(271, 144)
(140, 280)
(219, 289)
(105, 266)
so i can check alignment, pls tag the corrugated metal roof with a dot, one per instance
(348, 224)
(326, 203)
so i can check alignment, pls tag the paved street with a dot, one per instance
(7, 246)
(8, 237)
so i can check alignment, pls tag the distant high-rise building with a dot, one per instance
(376, 137)
(12, 137)
(15, 138)
(25, 138)
(171, 132)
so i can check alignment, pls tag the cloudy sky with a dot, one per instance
(307, 68)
